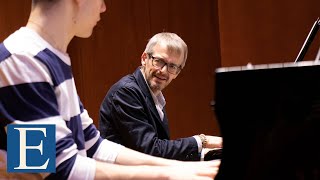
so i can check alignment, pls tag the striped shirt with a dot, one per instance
(37, 87)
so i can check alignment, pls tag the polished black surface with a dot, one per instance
(213, 155)
(269, 117)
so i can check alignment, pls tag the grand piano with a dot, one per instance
(269, 117)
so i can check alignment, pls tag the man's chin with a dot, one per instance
(155, 88)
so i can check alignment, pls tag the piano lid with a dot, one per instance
(268, 66)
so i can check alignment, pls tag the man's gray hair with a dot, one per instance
(170, 40)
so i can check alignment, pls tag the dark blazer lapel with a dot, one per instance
(145, 89)
(165, 122)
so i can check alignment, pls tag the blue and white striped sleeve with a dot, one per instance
(98, 148)
(27, 96)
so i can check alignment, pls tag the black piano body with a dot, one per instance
(269, 117)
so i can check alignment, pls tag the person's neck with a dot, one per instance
(48, 35)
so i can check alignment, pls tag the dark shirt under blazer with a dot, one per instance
(128, 116)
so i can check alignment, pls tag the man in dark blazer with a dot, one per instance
(133, 113)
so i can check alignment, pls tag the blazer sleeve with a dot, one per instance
(131, 116)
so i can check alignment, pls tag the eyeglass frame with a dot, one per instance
(153, 58)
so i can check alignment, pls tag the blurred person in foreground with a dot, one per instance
(37, 87)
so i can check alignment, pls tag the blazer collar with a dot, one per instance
(146, 91)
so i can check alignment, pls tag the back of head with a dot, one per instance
(170, 40)
(45, 3)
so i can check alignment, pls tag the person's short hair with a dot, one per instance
(34, 2)
(170, 40)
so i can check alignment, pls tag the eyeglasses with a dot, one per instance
(160, 63)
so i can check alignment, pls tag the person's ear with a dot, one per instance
(80, 3)
(144, 58)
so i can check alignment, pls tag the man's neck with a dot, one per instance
(52, 28)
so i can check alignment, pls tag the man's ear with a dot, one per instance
(144, 58)
(79, 3)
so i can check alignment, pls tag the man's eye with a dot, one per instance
(160, 61)
(173, 66)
